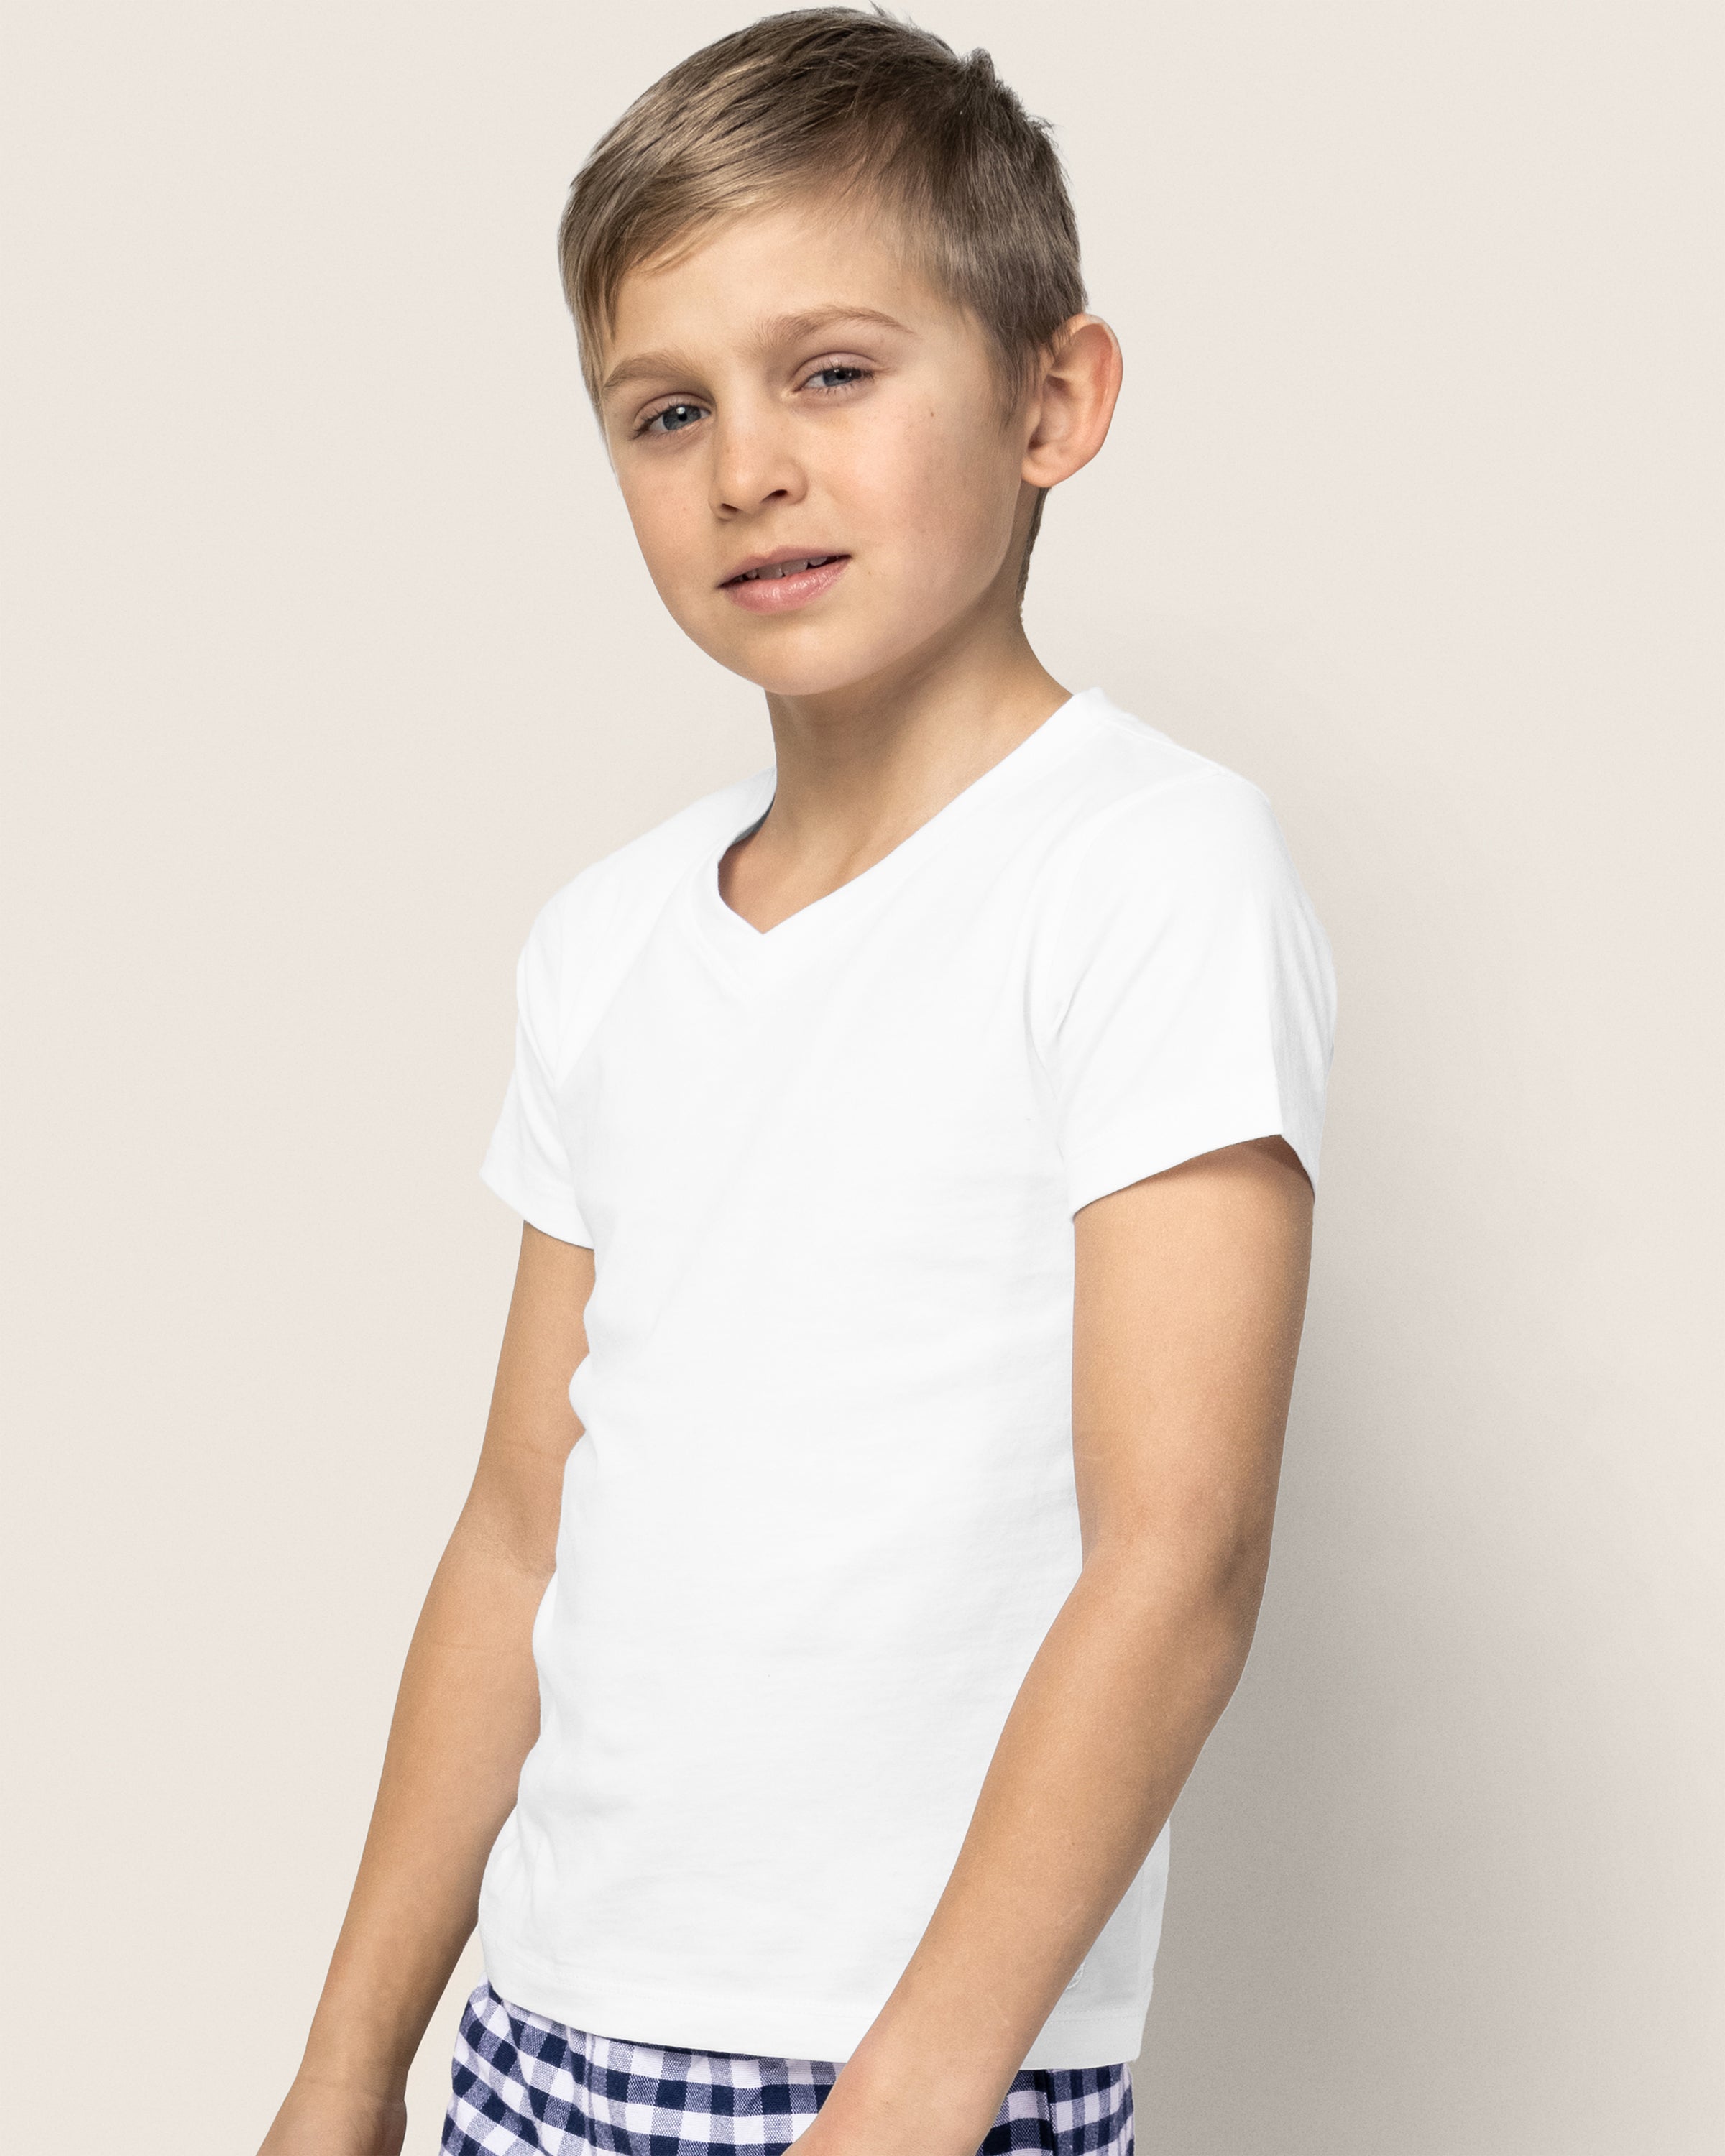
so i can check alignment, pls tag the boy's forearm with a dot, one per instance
(1105, 1730)
(465, 1718)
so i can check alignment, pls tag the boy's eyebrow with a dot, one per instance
(774, 329)
(781, 329)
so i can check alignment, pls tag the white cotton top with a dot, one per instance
(822, 1510)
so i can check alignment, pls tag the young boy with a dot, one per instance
(914, 1143)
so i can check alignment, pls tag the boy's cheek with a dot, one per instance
(675, 532)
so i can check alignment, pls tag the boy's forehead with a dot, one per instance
(764, 275)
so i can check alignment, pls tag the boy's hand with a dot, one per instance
(320, 2118)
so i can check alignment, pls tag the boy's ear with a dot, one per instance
(1073, 406)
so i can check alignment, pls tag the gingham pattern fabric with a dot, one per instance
(521, 2083)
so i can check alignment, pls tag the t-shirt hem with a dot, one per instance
(551, 1212)
(1103, 2035)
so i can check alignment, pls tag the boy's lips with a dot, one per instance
(779, 582)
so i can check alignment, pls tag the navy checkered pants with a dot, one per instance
(523, 2083)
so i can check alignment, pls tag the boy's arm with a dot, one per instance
(465, 1718)
(1190, 1291)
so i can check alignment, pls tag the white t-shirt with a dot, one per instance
(823, 1512)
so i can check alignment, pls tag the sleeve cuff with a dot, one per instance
(549, 1207)
(1165, 1135)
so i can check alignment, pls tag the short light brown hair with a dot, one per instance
(833, 100)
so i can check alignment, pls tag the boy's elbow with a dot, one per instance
(1204, 1577)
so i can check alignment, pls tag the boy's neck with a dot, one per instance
(860, 767)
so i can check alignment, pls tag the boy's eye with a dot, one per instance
(676, 417)
(838, 377)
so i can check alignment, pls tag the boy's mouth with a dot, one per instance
(775, 569)
(775, 583)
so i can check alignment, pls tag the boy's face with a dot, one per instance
(789, 391)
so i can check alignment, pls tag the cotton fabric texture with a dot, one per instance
(824, 1510)
(520, 2082)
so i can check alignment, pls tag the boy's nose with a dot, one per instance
(753, 466)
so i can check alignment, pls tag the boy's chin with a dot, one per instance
(809, 665)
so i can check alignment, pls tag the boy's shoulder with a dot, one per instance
(641, 873)
(1124, 760)
(1133, 801)
(586, 936)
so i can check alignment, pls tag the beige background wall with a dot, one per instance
(331, 659)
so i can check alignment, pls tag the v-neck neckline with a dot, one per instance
(755, 950)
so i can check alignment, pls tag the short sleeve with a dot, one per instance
(527, 1162)
(1188, 995)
